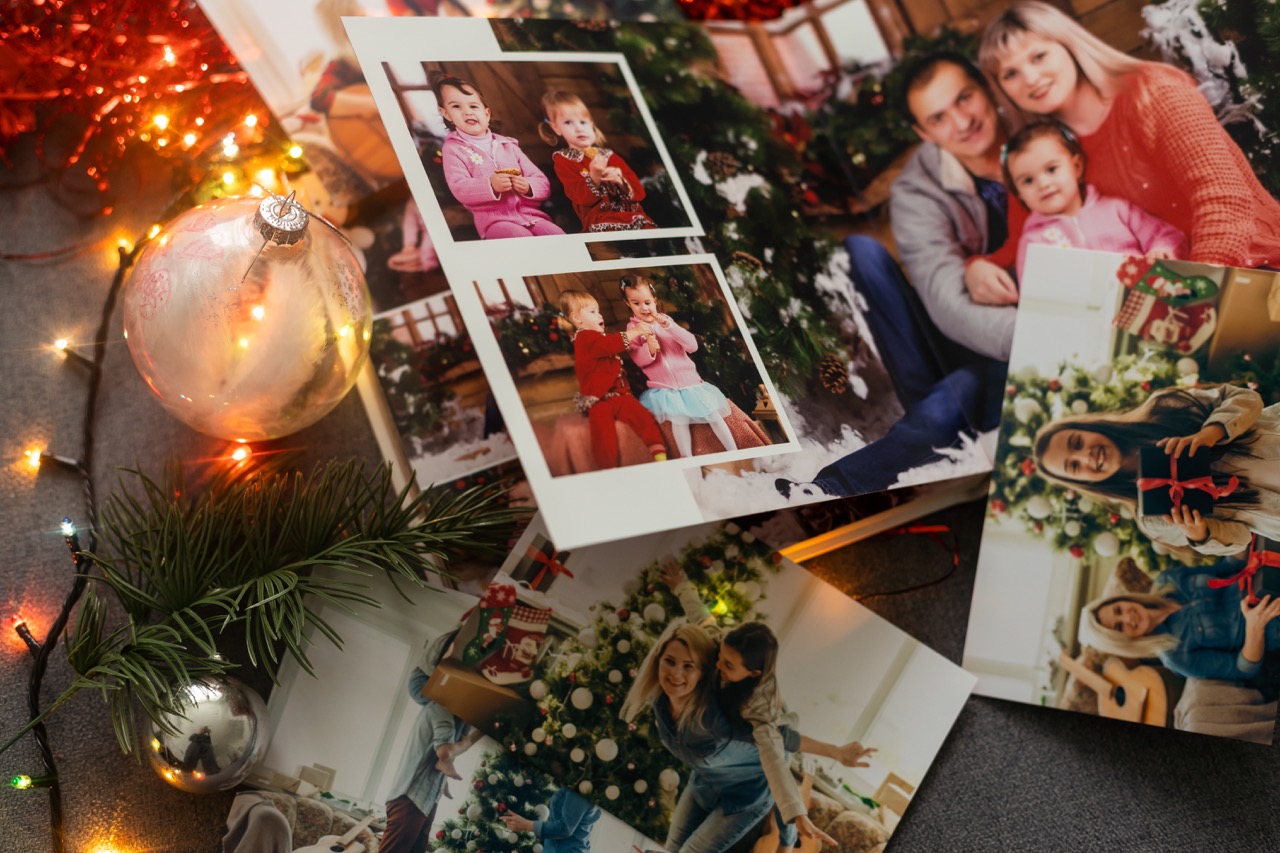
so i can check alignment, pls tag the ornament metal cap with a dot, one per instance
(281, 220)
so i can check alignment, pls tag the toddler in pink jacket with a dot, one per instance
(676, 393)
(488, 172)
(1044, 167)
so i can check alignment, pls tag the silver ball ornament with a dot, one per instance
(223, 733)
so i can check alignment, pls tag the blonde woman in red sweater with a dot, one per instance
(1149, 135)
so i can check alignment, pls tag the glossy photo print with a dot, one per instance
(1129, 558)
(703, 689)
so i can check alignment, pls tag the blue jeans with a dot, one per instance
(695, 829)
(944, 387)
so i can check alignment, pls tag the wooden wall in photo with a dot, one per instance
(1117, 22)
(513, 91)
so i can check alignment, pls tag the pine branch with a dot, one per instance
(254, 552)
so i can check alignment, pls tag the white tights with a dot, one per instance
(684, 443)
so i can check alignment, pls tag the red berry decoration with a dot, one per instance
(998, 506)
(1011, 390)
(624, 614)
(1028, 466)
(1055, 385)
(705, 561)
(1114, 518)
(1077, 551)
(440, 835)
(501, 807)
(478, 784)
(608, 698)
(1146, 386)
(573, 676)
(544, 710)
(651, 589)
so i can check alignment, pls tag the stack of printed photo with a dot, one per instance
(704, 291)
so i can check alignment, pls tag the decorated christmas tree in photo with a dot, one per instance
(500, 785)
(577, 734)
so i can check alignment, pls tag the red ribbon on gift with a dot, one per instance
(1244, 577)
(549, 563)
(1178, 487)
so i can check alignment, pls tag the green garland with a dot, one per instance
(246, 557)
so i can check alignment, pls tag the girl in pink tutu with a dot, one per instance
(676, 394)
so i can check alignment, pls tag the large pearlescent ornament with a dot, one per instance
(248, 319)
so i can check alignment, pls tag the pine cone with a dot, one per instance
(833, 373)
(722, 165)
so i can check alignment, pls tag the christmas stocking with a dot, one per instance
(1183, 330)
(495, 610)
(526, 630)
(1155, 279)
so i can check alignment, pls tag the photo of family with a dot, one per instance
(1129, 557)
(625, 365)
(534, 149)
(410, 775)
(702, 689)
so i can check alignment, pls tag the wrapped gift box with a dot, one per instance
(541, 564)
(1267, 579)
(1154, 466)
(474, 698)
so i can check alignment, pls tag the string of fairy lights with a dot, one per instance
(134, 75)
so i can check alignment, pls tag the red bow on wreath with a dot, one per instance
(549, 563)
(1178, 487)
(1244, 577)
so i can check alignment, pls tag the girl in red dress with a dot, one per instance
(605, 193)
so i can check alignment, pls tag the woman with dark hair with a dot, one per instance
(1098, 455)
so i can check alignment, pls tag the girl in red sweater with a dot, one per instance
(605, 193)
(604, 395)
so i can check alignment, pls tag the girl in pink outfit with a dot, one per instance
(1044, 167)
(488, 172)
(676, 392)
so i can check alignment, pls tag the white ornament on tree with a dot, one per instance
(1106, 544)
(1071, 528)
(474, 812)
(668, 780)
(607, 749)
(455, 834)
(538, 690)
(581, 698)
(587, 637)
(612, 792)
(1079, 407)
(1086, 504)
(493, 778)
(539, 734)
(585, 787)
(577, 755)
(1187, 366)
(623, 646)
(1025, 408)
(615, 677)
(569, 730)
(542, 811)
(641, 786)
(1038, 507)
(655, 612)
(610, 618)
(530, 748)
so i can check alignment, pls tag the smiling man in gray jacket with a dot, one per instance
(945, 334)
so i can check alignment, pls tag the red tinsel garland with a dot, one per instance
(107, 70)
(736, 10)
